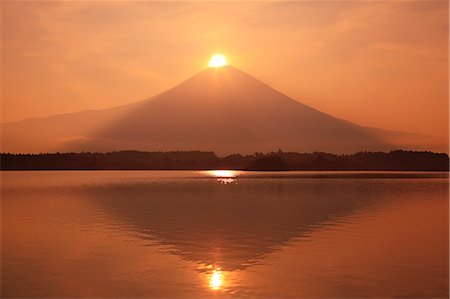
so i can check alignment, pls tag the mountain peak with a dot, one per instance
(226, 82)
(227, 72)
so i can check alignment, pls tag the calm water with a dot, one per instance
(224, 234)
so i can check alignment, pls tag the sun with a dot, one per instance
(217, 60)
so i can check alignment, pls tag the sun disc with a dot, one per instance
(217, 60)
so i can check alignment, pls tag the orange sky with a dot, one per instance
(381, 64)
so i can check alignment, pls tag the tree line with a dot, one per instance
(193, 160)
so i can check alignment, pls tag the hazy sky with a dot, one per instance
(381, 64)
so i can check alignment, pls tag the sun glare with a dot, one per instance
(217, 60)
(224, 176)
(216, 280)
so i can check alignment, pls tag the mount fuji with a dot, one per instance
(219, 109)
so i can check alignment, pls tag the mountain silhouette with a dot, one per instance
(219, 109)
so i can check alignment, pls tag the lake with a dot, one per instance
(218, 234)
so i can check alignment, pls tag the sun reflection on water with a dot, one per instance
(216, 279)
(224, 176)
(223, 173)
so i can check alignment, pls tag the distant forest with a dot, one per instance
(196, 160)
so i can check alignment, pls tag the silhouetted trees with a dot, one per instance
(394, 160)
(271, 162)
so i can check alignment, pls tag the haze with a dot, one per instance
(379, 64)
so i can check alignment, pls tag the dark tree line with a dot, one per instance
(394, 160)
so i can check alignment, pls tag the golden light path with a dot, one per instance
(224, 176)
(217, 60)
(223, 173)
(216, 279)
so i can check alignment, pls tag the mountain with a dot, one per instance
(219, 109)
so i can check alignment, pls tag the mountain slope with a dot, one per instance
(220, 109)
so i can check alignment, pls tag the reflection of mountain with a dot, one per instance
(232, 225)
(219, 109)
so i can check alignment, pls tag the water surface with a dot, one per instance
(208, 234)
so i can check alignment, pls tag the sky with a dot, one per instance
(375, 63)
